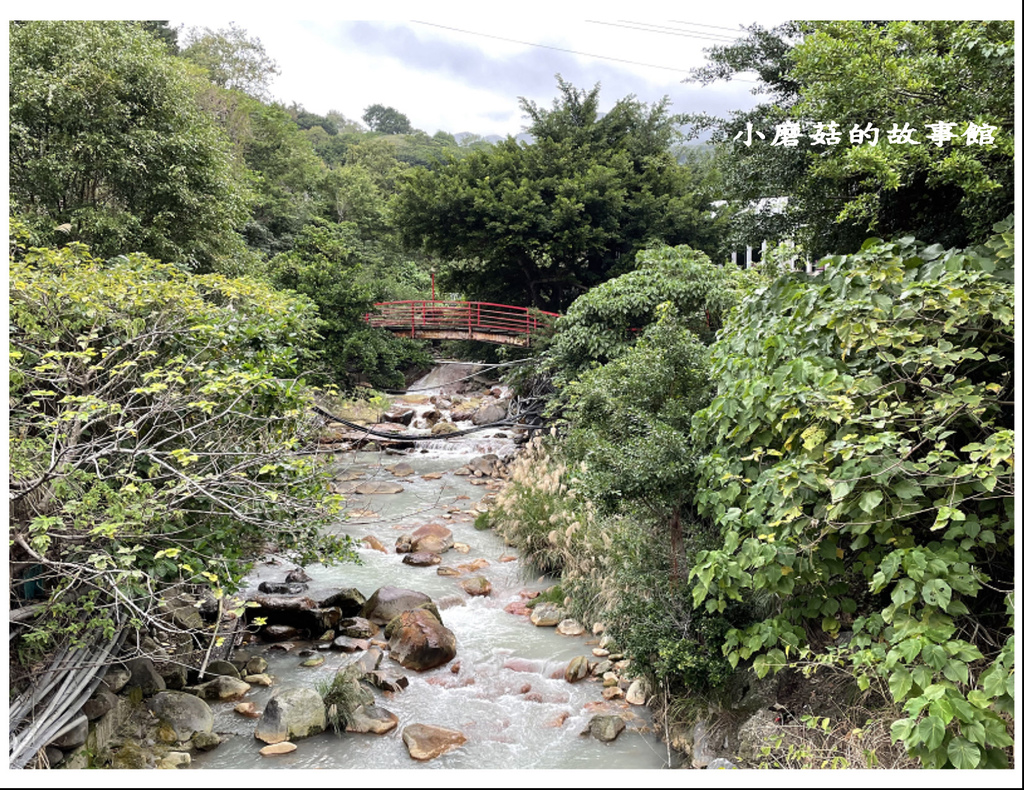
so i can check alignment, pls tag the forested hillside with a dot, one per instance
(802, 470)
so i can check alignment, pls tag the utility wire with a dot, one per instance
(716, 27)
(546, 46)
(665, 31)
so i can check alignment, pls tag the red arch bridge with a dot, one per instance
(448, 320)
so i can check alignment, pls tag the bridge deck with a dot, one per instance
(446, 320)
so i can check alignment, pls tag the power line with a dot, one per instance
(546, 46)
(665, 31)
(716, 27)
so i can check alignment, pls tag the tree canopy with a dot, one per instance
(833, 78)
(155, 422)
(540, 223)
(108, 145)
(386, 120)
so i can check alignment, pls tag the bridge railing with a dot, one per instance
(460, 316)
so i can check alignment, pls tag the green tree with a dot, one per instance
(605, 322)
(852, 74)
(386, 120)
(861, 472)
(232, 59)
(343, 274)
(541, 223)
(157, 422)
(108, 145)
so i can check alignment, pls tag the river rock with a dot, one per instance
(255, 665)
(403, 544)
(283, 747)
(432, 537)
(612, 692)
(605, 728)
(578, 669)
(206, 741)
(546, 614)
(422, 559)
(186, 714)
(223, 668)
(292, 713)
(184, 611)
(720, 763)
(279, 633)
(101, 702)
(282, 588)
(297, 576)
(478, 585)
(371, 488)
(400, 416)
(570, 627)
(348, 599)
(222, 688)
(485, 464)
(247, 709)
(387, 682)
(357, 627)
(639, 691)
(448, 570)
(374, 543)
(402, 469)
(443, 428)
(371, 718)
(145, 676)
(314, 661)
(369, 660)
(425, 742)
(74, 737)
(388, 602)
(489, 413)
(348, 644)
(175, 760)
(420, 642)
(260, 679)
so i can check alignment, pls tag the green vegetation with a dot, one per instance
(856, 73)
(155, 418)
(758, 470)
(539, 224)
(861, 473)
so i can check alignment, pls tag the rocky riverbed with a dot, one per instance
(431, 652)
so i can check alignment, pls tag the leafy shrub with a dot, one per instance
(862, 472)
(155, 418)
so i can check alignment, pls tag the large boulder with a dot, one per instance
(389, 602)
(425, 742)
(290, 714)
(491, 412)
(371, 718)
(547, 615)
(348, 599)
(222, 688)
(420, 642)
(578, 669)
(145, 676)
(432, 537)
(186, 714)
(422, 559)
(605, 728)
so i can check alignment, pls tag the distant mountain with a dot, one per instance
(522, 137)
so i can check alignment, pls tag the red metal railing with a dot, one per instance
(460, 316)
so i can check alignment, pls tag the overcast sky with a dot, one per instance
(466, 75)
(461, 67)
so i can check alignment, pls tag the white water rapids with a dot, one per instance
(508, 697)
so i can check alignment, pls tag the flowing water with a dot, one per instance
(508, 697)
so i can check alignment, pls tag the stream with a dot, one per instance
(508, 696)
